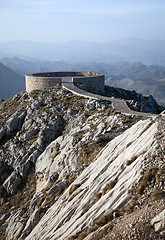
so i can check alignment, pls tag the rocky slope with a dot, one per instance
(71, 165)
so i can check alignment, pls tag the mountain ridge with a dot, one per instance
(10, 82)
(131, 50)
(67, 161)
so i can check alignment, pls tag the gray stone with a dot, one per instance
(2, 132)
(32, 222)
(53, 190)
(159, 222)
(33, 157)
(25, 96)
(27, 124)
(35, 105)
(23, 169)
(15, 223)
(30, 133)
(12, 123)
(91, 104)
(12, 182)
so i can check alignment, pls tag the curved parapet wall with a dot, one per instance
(89, 81)
(81, 84)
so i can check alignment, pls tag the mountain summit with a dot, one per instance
(75, 168)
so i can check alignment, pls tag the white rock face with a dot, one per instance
(54, 132)
(64, 218)
(159, 222)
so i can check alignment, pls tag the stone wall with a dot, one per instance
(35, 82)
(90, 84)
(89, 81)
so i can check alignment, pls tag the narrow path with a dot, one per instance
(119, 105)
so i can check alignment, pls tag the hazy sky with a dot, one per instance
(92, 20)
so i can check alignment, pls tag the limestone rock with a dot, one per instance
(11, 183)
(30, 133)
(15, 223)
(12, 123)
(54, 189)
(32, 222)
(2, 132)
(159, 222)
(64, 218)
(47, 145)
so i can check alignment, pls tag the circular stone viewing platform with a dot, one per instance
(89, 81)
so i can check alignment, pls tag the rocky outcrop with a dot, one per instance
(110, 164)
(69, 160)
(159, 223)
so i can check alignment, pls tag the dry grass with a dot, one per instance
(98, 223)
(74, 195)
(145, 129)
(21, 198)
(146, 179)
(70, 177)
(109, 186)
(73, 188)
(129, 207)
(46, 201)
(90, 150)
(4, 235)
(57, 151)
(157, 193)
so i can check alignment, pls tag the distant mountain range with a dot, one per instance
(129, 50)
(142, 78)
(10, 82)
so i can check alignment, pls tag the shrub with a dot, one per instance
(129, 207)
(70, 177)
(57, 151)
(75, 194)
(109, 186)
(104, 219)
(90, 150)
(147, 177)
(160, 176)
(157, 193)
(145, 129)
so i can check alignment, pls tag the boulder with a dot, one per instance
(12, 182)
(30, 133)
(54, 189)
(159, 222)
(12, 123)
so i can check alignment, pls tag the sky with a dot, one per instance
(87, 20)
